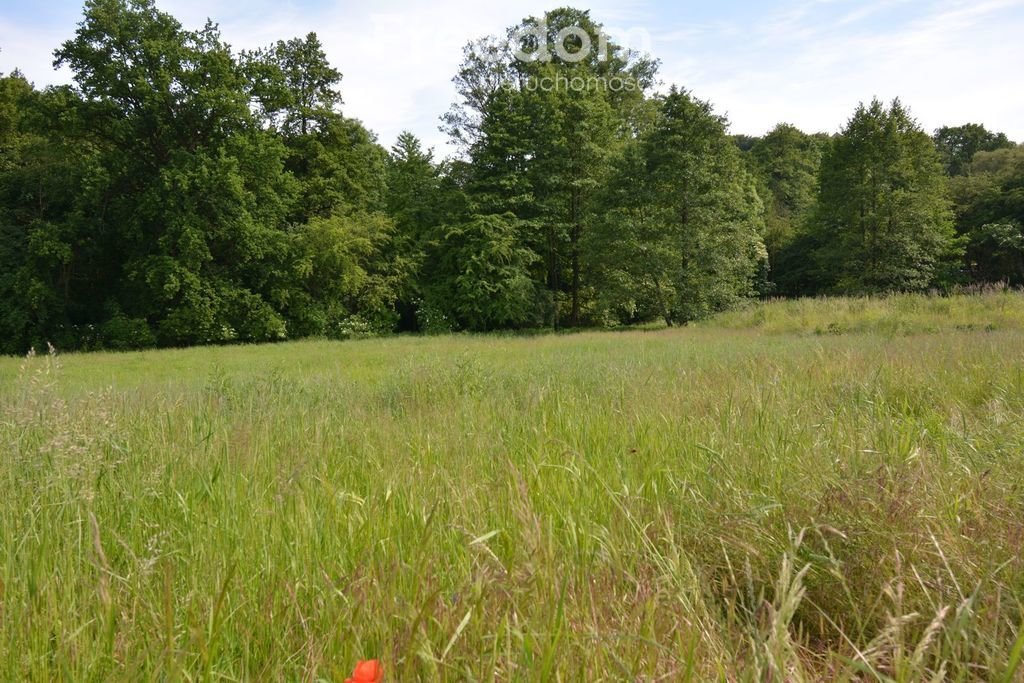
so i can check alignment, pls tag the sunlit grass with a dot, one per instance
(989, 309)
(672, 505)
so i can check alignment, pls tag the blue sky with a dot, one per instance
(807, 62)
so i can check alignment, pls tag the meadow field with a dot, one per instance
(810, 490)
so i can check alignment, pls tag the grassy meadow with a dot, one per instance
(806, 490)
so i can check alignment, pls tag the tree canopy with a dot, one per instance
(883, 205)
(178, 192)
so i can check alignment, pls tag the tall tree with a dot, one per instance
(990, 215)
(787, 162)
(413, 182)
(50, 257)
(294, 84)
(539, 130)
(196, 191)
(958, 144)
(685, 221)
(347, 272)
(414, 203)
(884, 206)
(336, 161)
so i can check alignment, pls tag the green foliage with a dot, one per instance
(180, 193)
(883, 208)
(342, 275)
(632, 255)
(787, 164)
(686, 237)
(194, 189)
(151, 188)
(416, 200)
(708, 203)
(957, 145)
(296, 88)
(539, 146)
(413, 184)
(789, 160)
(49, 184)
(123, 334)
(483, 274)
(338, 167)
(990, 213)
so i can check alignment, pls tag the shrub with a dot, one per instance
(122, 333)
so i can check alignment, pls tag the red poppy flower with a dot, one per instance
(369, 671)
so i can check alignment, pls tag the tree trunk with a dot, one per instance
(574, 238)
(554, 283)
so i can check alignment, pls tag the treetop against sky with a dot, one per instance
(803, 61)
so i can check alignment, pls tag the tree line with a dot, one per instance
(179, 192)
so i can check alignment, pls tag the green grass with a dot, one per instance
(991, 309)
(706, 503)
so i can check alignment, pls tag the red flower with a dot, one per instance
(369, 671)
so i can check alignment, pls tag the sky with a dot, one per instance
(805, 62)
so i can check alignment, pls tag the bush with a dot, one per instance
(122, 333)
(431, 318)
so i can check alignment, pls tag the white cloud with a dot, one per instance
(952, 64)
(808, 62)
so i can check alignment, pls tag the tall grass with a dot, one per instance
(989, 308)
(695, 504)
